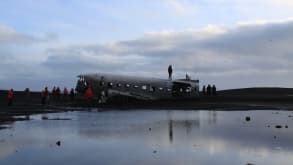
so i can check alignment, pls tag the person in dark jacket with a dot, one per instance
(209, 90)
(72, 94)
(214, 89)
(170, 71)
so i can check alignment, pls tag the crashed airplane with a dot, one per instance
(107, 86)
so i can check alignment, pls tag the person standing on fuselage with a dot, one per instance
(170, 71)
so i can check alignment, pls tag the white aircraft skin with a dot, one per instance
(105, 86)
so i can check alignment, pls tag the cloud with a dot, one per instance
(257, 51)
(9, 35)
(179, 6)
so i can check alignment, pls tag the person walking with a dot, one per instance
(10, 97)
(170, 71)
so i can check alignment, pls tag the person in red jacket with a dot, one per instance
(89, 93)
(89, 96)
(10, 97)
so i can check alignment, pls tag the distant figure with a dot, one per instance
(187, 77)
(54, 93)
(58, 92)
(72, 94)
(204, 90)
(43, 97)
(10, 97)
(214, 90)
(89, 93)
(65, 93)
(170, 71)
(209, 90)
(27, 96)
(46, 93)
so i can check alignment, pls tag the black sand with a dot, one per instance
(234, 99)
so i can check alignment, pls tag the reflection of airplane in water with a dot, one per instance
(105, 86)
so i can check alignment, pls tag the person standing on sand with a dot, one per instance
(72, 94)
(27, 96)
(10, 97)
(65, 93)
(89, 95)
(204, 90)
(170, 71)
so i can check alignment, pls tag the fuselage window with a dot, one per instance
(119, 85)
(110, 84)
(144, 87)
(188, 90)
(127, 85)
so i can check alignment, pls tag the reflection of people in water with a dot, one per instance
(171, 131)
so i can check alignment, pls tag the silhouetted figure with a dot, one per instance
(170, 71)
(27, 96)
(209, 90)
(43, 97)
(54, 93)
(10, 97)
(58, 93)
(187, 77)
(72, 94)
(214, 90)
(204, 90)
(65, 93)
(46, 93)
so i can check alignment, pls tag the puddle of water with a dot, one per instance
(150, 137)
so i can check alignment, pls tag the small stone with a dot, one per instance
(150, 129)
(249, 164)
(44, 118)
(275, 137)
(154, 151)
(278, 126)
(58, 143)
(286, 126)
(247, 118)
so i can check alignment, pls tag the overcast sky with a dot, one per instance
(230, 43)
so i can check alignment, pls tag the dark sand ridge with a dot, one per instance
(245, 98)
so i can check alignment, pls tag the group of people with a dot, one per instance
(56, 94)
(209, 90)
(45, 95)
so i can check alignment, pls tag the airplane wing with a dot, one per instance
(136, 95)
